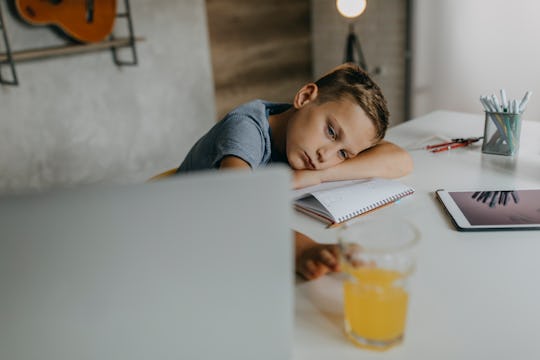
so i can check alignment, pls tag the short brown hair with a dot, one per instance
(349, 80)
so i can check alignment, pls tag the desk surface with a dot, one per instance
(474, 295)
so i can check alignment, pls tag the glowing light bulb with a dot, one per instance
(351, 8)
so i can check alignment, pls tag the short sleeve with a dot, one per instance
(240, 136)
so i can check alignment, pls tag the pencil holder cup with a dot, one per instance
(501, 133)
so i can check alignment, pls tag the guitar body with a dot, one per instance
(83, 20)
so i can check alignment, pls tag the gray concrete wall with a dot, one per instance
(80, 119)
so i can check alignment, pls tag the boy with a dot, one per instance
(333, 130)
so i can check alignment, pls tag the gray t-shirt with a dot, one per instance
(244, 133)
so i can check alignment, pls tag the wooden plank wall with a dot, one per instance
(382, 31)
(259, 49)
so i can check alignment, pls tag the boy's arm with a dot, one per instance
(233, 162)
(385, 160)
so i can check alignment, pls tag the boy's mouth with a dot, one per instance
(307, 161)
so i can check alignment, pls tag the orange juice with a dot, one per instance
(375, 303)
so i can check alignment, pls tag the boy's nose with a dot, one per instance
(324, 153)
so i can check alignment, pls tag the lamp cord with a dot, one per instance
(353, 49)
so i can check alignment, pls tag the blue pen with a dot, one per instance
(524, 101)
(515, 107)
(495, 103)
(504, 101)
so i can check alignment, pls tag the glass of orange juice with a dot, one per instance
(377, 260)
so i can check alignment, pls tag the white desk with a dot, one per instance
(474, 295)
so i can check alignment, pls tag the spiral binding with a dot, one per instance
(375, 205)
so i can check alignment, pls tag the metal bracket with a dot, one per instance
(127, 15)
(8, 56)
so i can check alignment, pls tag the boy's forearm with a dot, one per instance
(302, 243)
(385, 160)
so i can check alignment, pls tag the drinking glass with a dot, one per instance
(377, 259)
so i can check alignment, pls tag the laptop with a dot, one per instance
(193, 267)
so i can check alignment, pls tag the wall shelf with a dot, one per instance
(33, 54)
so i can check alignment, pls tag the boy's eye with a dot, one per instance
(331, 132)
(343, 154)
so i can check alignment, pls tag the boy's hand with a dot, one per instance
(317, 260)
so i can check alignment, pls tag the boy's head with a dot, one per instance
(337, 117)
(350, 81)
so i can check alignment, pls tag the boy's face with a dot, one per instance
(320, 136)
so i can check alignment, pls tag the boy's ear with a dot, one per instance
(308, 93)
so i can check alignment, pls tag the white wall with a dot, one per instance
(467, 48)
(80, 119)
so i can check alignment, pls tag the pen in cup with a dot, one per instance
(524, 101)
(503, 100)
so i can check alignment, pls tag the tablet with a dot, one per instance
(493, 210)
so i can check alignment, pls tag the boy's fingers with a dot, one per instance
(335, 250)
(311, 267)
(328, 258)
(320, 270)
(320, 261)
(307, 269)
(311, 270)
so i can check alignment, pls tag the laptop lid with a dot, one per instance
(195, 267)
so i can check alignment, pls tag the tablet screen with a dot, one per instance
(519, 207)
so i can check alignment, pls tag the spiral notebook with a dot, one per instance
(338, 201)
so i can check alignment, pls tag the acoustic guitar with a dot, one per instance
(83, 20)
